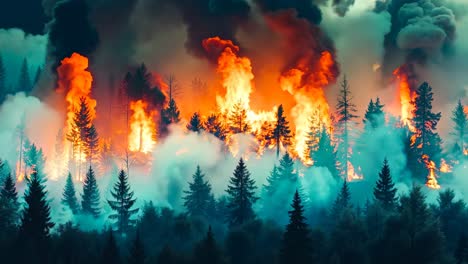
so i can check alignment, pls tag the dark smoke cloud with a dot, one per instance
(304, 9)
(71, 31)
(421, 31)
(341, 7)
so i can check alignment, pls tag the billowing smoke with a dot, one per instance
(341, 7)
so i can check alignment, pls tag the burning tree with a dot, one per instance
(281, 133)
(460, 130)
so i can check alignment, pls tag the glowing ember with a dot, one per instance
(431, 178)
(445, 167)
(354, 174)
(142, 128)
(406, 97)
(307, 90)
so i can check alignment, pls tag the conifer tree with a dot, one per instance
(374, 115)
(92, 144)
(241, 191)
(342, 202)
(238, 119)
(286, 169)
(195, 124)
(281, 133)
(110, 252)
(122, 203)
(385, 191)
(325, 154)
(171, 114)
(36, 221)
(460, 129)
(69, 195)
(3, 86)
(296, 246)
(206, 251)
(90, 198)
(273, 180)
(24, 82)
(34, 159)
(137, 251)
(461, 252)
(198, 197)
(9, 205)
(346, 113)
(215, 126)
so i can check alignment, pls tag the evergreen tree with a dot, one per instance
(346, 113)
(69, 195)
(215, 126)
(273, 180)
(34, 159)
(206, 251)
(24, 82)
(3, 85)
(35, 220)
(385, 191)
(424, 121)
(92, 144)
(460, 129)
(90, 198)
(137, 252)
(241, 191)
(171, 114)
(110, 252)
(281, 132)
(342, 202)
(325, 154)
(286, 169)
(9, 205)
(195, 124)
(122, 203)
(461, 252)
(374, 116)
(198, 197)
(296, 246)
(238, 119)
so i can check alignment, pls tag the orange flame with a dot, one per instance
(406, 97)
(431, 178)
(311, 102)
(445, 167)
(354, 174)
(142, 128)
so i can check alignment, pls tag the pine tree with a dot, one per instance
(110, 252)
(460, 129)
(241, 191)
(238, 119)
(214, 126)
(273, 180)
(198, 197)
(9, 205)
(137, 252)
(171, 114)
(296, 246)
(195, 124)
(90, 198)
(342, 202)
(374, 115)
(92, 144)
(325, 154)
(34, 159)
(346, 113)
(385, 191)
(122, 203)
(281, 132)
(69, 195)
(24, 82)
(35, 220)
(424, 121)
(3, 85)
(206, 251)
(286, 169)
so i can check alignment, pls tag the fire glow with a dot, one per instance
(141, 137)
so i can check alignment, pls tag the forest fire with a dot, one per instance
(141, 137)
(406, 96)
(431, 177)
(353, 174)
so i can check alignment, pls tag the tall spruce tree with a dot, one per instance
(206, 251)
(90, 198)
(36, 221)
(69, 195)
(137, 251)
(3, 85)
(325, 154)
(195, 124)
(241, 192)
(281, 133)
(198, 197)
(424, 121)
(374, 116)
(215, 126)
(92, 144)
(296, 246)
(24, 82)
(122, 204)
(385, 191)
(345, 110)
(238, 119)
(342, 202)
(9, 205)
(273, 180)
(34, 159)
(460, 128)
(171, 114)
(286, 169)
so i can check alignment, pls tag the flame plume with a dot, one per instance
(431, 177)
(406, 97)
(142, 128)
